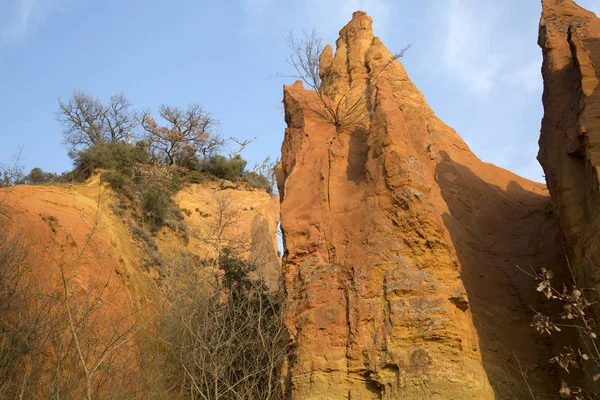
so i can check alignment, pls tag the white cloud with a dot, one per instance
(27, 16)
(468, 51)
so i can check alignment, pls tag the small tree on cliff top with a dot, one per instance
(187, 133)
(305, 58)
(86, 121)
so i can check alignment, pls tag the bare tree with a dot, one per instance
(576, 316)
(95, 344)
(187, 132)
(86, 121)
(56, 340)
(305, 58)
(12, 174)
(16, 341)
(228, 343)
(221, 233)
(267, 169)
(225, 339)
(240, 145)
(212, 145)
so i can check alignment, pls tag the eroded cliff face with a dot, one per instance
(401, 246)
(53, 216)
(570, 136)
(75, 231)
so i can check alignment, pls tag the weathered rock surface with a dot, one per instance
(401, 246)
(246, 219)
(76, 227)
(570, 136)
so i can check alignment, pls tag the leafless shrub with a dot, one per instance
(226, 343)
(222, 232)
(26, 325)
(515, 364)
(266, 169)
(304, 58)
(239, 146)
(224, 332)
(16, 345)
(86, 121)
(12, 174)
(57, 340)
(186, 133)
(98, 335)
(577, 316)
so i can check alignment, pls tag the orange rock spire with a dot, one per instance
(401, 246)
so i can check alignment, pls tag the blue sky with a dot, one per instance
(476, 61)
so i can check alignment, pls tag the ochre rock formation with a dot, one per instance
(570, 137)
(249, 220)
(77, 227)
(401, 246)
(245, 218)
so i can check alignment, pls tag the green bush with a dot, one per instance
(258, 181)
(175, 183)
(187, 158)
(38, 177)
(116, 180)
(198, 177)
(155, 206)
(120, 156)
(134, 174)
(223, 167)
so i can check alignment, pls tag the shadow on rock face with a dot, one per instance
(357, 154)
(494, 230)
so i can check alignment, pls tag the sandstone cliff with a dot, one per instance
(570, 137)
(51, 216)
(114, 278)
(401, 246)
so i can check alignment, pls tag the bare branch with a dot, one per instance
(241, 145)
(86, 121)
(305, 56)
(186, 133)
